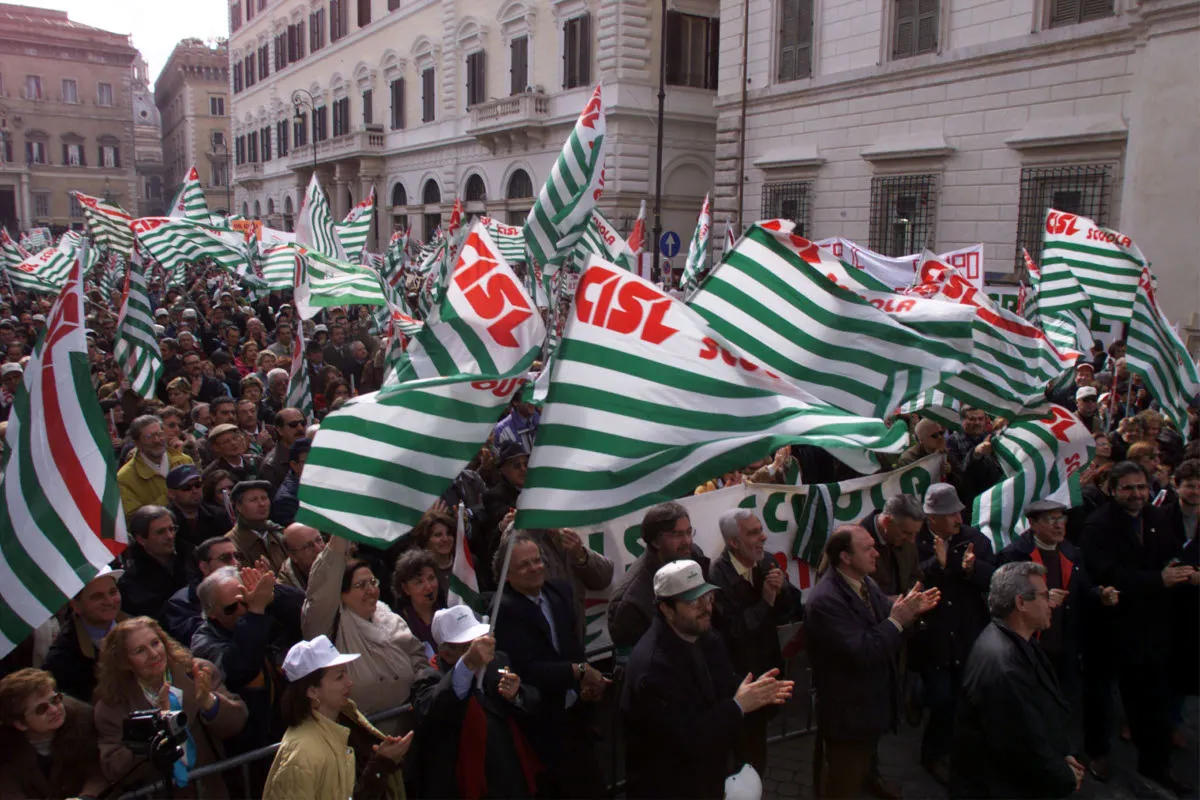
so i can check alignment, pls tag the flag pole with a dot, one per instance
(500, 579)
(656, 267)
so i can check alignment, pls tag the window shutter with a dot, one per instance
(1064, 12)
(906, 24)
(927, 25)
(585, 50)
(568, 53)
(480, 76)
(1096, 9)
(714, 53)
(519, 69)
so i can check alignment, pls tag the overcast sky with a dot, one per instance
(156, 25)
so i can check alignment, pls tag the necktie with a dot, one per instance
(866, 598)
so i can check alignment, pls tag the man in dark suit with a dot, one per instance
(1011, 737)
(754, 598)
(682, 706)
(958, 560)
(535, 625)
(1128, 544)
(854, 635)
(337, 352)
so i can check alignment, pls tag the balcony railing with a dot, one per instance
(510, 121)
(367, 141)
(247, 172)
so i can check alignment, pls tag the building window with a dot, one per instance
(364, 13)
(249, 10)
(692, 46)
(903, 210)
(316, 30)
(70, 91)
(265, 137)
(76, 210)
(795, 40)
(321, 124)
(104, 94)
(219, 178)
(427, 95)
(33, 87)
(281, 51)
(252, 147)
(338, 19)
(41, 204)
(341, 116)
(368, 106)
(216, 106)
(476, 78)
(577, 51)
(916, 28)
(1082, 190)
(399, 196)
(475, 191)
(73, 154)
(294, 42)
(281, 137)
(237, 76)
(6, 147)
(520, 186)
(518, 64)
(397, 89)
(110, 156)
(239, 148)
(1072, 12)
(790, 201)
(251, 75)
(287, 214)
(431, 193)
(300, 130)
(35, 151)
(235, 16)
(264, 61)
(393, 5)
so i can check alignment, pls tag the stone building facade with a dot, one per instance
(66, 118)
(426, 100)
(941, 123)
(147, 144)
(192, 95)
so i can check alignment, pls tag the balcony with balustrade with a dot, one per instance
(367, 141)
(510, 124)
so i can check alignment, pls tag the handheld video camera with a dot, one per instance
(157, 736)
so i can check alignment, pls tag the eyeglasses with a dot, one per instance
(41, 709)
(1054, 519)
(189, 487)
(361, 586)
(233, 607)
(296, 423)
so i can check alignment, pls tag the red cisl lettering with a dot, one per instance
(1058, 224)
(623, 305)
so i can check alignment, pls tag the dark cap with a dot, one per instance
(180, 475)
(244, 486)
(299, 448)
(510, 450)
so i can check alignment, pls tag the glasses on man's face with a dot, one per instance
(190, 487)
(1055, 519)
(296, 423)
(361, 586)
(41, 709)
(233, 607)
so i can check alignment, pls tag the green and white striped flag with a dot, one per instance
(1106, 263)
(11, 253)
(379, 462)
(697, 257)
(356, 227)
(107, 223)
(1041, 459)
(509, 239)
(176, 242)
(646, 402)
(1066, 314)
(564, 206)
(936, 405)
(189, 203)
(314, 224)
(44, 272)
(396, 259)
(279, 266)
(786, 303)
(329, 283)
(464, 584)
(1012, 362)
(1155, 352)
(299, 393)
(61, 520)
(602, 239)
(136, 347)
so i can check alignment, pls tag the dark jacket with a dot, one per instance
(631, 607)
(182, 614)
(211, 520)
(896, 568)
(72, 660)
(1138, 628)
(682, 726)
(211, 389)
(449, 732)
(745, 621)
(1011, 737)
(854, 654)
(946, 633)
(523, 633)
(147, 583)
(287, 501)
(248, 470)
(275, 466)
(497, 500)
(74, 759)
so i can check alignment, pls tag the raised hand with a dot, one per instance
(394, 748)
(968, 559)
(940, 548)
(767, 690)
(202, 679)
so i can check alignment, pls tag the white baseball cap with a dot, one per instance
(1085, 392)
(106, 572)
(10, 367)
(307, 657)
(683, 579)
(457, 625)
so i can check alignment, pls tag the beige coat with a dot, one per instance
(116, 759)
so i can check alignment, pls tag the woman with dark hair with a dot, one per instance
(247, 357)
(48, 740)
(179, 395)
(415, 587)
(329, 749)
(141, 668)
(216, 483)
(342, 602)
(337, 389)
(435, 532)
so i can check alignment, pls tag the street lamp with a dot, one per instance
(304, 99)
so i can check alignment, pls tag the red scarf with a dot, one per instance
(1064, 565)
(472, 753)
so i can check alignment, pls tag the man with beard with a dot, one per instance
(684, 708)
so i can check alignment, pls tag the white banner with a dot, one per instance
(797, 521)
(898, 273)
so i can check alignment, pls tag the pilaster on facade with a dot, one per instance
(626, 40)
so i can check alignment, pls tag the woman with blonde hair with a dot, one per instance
(141, 668)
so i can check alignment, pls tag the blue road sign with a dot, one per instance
(669, 244)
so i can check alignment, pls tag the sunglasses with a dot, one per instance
(41, 709)
(296, 423)
(233, 607)
(190, 486)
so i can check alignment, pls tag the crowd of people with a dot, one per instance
(261, 629)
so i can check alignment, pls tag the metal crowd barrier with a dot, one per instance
(243, 761)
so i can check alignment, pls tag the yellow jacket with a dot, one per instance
(142, 486)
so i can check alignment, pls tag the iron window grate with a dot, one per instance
(903, 212)
(1082, 190)
(791, 200)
